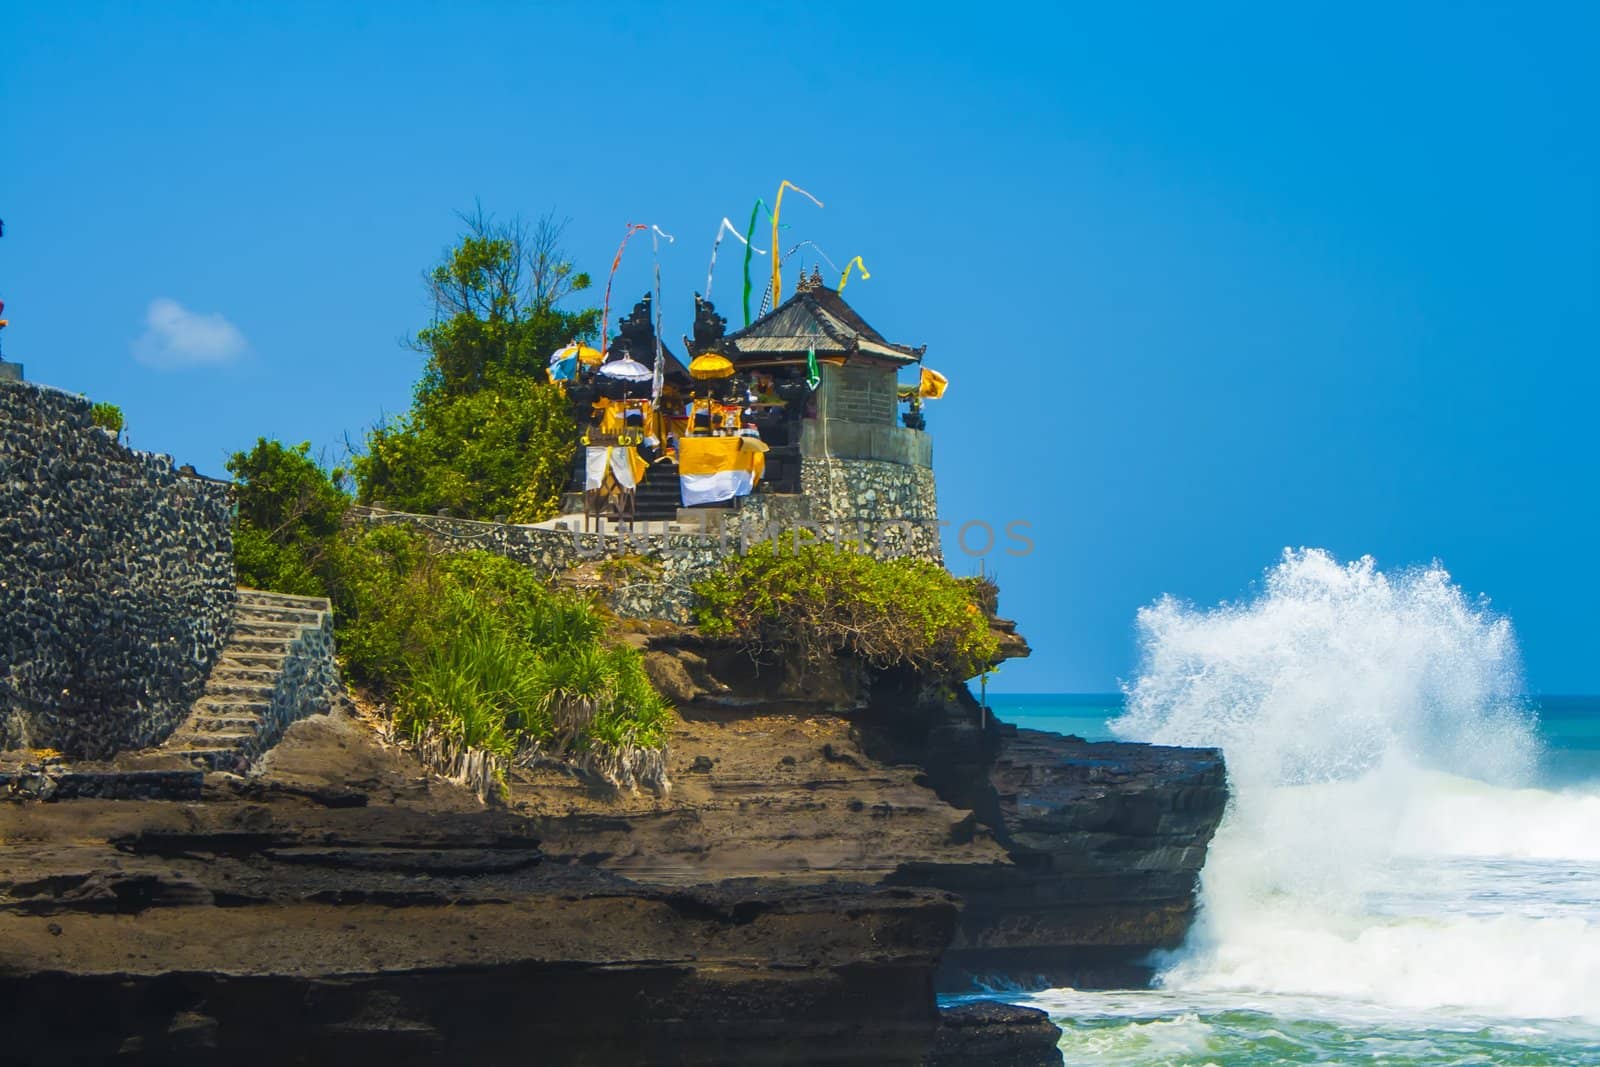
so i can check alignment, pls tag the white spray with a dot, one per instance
(1371, 725)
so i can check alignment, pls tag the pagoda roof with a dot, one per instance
(814, 318)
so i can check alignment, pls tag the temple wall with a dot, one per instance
(889, 499)
(886, 509)
(857, 418)
(116, 581)
(823, 438)
(858, 392)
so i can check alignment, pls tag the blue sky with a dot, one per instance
(1208, 281)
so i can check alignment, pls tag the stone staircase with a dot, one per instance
(658, 496)
(276, 668)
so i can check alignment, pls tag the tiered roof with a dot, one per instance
(814, 318)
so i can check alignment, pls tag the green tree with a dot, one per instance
(487, 435)
(495, 299)
(504, 450)
(290, 513)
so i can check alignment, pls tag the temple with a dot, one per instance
(797, 415)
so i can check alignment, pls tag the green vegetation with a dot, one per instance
(107, 416)
(501, 452)
(478, 653)
(290, 513)
(819, 600)
(487, 435)
(483, 661)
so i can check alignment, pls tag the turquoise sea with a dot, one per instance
(1444, 919)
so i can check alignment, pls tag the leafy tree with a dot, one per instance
(504, 450)
(487, 435)
(290, 512)
(495, 298)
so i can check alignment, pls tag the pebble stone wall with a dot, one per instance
(888, 509)
(116, 581)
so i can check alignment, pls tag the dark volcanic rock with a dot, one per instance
(1106, 841)
(995, 1035)
(264, 926)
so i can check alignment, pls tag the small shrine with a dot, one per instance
(741, 413)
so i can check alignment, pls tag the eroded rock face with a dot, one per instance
(1106, 841)
(1074, 860)
(343, 908)
(995, 1035)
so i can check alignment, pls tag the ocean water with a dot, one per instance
(1409, 869)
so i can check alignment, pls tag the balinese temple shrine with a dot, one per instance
(801, 413)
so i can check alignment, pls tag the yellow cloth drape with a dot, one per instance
(610, 415)
(710, 455)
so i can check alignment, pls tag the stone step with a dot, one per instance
(239, 740)
(235, 659)
(282, 631)
(226, 671)
(226, 724)
(224, 705)
(262, 598)
(250, 643)
(235, 690)
(297, 616)
(216, 759)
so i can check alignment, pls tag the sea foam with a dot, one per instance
(1384, 843)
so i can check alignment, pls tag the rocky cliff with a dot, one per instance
(837, 845)
(1074, 860)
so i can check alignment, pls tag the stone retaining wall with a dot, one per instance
(116, 581)
(307, 683)
(887, 509)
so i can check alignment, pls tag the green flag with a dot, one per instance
(813, 374)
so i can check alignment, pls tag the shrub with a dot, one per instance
(107, 416)
(482, 657)
(388, 601)
(503, 450)
(290, 511)
(819, 600)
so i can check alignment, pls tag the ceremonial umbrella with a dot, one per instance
(564, 361)
(627, 370)
(710, 365)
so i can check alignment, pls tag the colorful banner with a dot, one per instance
(728, 227)
(777, 209)
(933, 384)
(658, 371)
(767, 301)
(605, 308)
(748, 237)
(844, 279)
(625, 466)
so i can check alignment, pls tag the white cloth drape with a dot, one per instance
(597, 457)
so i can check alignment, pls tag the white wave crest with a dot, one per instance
(1382, 844)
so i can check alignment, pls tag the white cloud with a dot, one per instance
(176, 337)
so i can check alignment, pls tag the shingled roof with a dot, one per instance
(815, 317)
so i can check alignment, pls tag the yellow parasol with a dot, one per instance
(710, 365)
